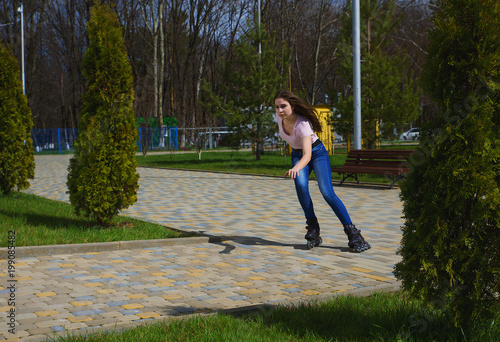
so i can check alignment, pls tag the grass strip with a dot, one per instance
(272, 163)
(38, 221)
(379, 317)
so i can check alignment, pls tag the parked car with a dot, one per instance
(412, 134)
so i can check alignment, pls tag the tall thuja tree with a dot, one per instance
(451, 236)
(389, 93)
(250, 81)
(17, 163)
(102, 177)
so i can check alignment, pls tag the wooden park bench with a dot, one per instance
(390, 163)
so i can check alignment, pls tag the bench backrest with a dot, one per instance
(379, 158)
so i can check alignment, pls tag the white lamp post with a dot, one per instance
(21, 10)
(258, 28)
(356, 55)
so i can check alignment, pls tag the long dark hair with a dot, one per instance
(301, 108)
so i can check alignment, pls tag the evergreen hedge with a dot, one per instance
(451, 237)
(102, 177)
(17, 163)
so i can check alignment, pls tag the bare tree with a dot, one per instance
(174, 44)
(65, 42)
(199, 138)
(309, 27)
(152, 13)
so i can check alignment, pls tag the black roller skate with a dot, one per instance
(312, 235)
(356, 240)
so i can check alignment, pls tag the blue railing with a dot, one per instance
(53, 139)
(158, 138)
(63, 139)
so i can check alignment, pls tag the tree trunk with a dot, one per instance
(155, 75)
(161, 71)
(319, 31)
(257, 149)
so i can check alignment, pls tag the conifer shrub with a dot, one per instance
(17, 163)
(102, 178)
(451, 236)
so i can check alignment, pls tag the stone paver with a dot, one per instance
(260, 259)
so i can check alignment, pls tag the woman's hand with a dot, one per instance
(306, 158)
(293, 173)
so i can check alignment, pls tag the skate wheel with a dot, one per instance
(319, 242)
(310, 244)
(363, 247)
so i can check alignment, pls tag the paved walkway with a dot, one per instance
(261, 259)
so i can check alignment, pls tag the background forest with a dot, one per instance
(174, 45)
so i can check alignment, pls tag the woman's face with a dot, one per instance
(283, 108)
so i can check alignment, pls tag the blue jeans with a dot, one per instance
(320, 163)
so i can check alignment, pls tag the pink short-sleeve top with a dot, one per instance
(301, 129)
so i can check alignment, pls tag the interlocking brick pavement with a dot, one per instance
(260, 257)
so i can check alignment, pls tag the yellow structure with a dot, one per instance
(324, 114)
(327, 137)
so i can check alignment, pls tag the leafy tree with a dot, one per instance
(451, 236)
(17, 163)
(389, 94)
(102, 177)
(463, 55)
(250, 83)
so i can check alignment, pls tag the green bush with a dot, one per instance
(463, 52)
(102, 177)
(451, 237)
(17, 163)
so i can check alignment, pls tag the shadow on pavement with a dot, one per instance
(230, 243)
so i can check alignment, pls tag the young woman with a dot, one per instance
(297, 123)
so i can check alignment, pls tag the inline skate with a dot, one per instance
(356, 240)
(312, 235)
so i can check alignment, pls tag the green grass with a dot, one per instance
(272, 163)
(39, 221)
(52, 152)
(379, 317)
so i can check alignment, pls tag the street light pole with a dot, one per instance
(21, 10)
(258, 28)
(356, 51)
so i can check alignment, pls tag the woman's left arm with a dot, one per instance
(306, 158)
